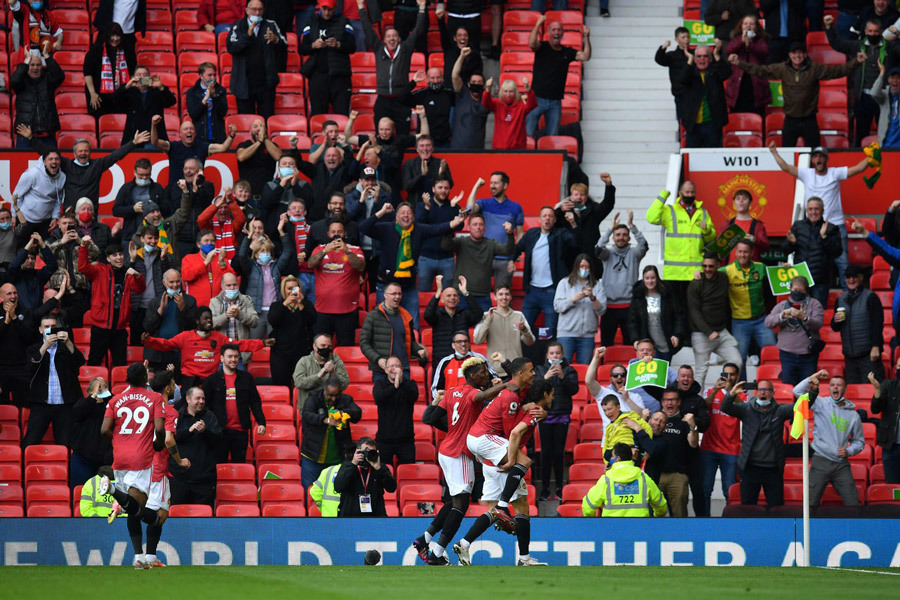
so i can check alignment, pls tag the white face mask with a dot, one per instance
(762, 402)
(583, 273)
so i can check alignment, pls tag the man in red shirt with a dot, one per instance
(338, 267)
(458, 408)
(200, 348)
(158, 499)
(721, 443)
(202, 271)
(232, 395)
(127, 424)
(505, 463)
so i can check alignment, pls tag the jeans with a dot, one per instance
(358, 35)
(224, 27)
(843, 23)
(747, 330)
(541, 5)
(820, 293)
(303, 17)
(409, 301)
(309, 471)
(429, 267)
(724, 345)
(22, 142)
(539, 300)
(891, 460)
(308, 286)
(704, 135)
(583, 347)
(552, 111)
(483, 301)
(797, 367)
(711, 462)
(81, 469)
(842, 261)
(815, 9)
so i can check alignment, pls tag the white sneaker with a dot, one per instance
(463, 554)
(103, 486)
(753, 361)
(715, 359)
(530, 562)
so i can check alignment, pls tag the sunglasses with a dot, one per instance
(617, 374)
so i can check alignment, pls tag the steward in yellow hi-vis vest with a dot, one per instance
(689, 228)
(624, 491)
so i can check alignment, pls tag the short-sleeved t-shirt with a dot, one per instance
(469, 122)
(161, 458)
(496, 214)
(462, 412)
(724, 433)
(746, 290)
(133, 412)
(550, 70)
(232, 419)
(178, 153)
(500, 416)
(828, 188)
(337, 282)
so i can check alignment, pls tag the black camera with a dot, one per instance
(371, 455)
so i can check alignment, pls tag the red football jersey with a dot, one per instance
(501, 415)
(161, 458)
(133, 412)
(462, 410)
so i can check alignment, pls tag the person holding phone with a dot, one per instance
(142, 98)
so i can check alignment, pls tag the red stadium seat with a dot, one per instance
(158, 62)
(364, 123)
(419, 492)
(832, 99)
(10, 473)
(236, 491)
(291, 83)
(591, 432)
(238, 472)
(571, 20)
(826, 56)
(186, 20)
(49, 510)
(71, 20)
(586, 472)
(833, 123)
(10, 453)
(559, 142)
(316, 121)
(569, 510)
(278, 413)
(282, 492)
(154, 41)
(362, 62)
(588, 452)
(520, 20)
(47, 493)
(71, 103)
(46, 454)
(283, 510)
(288, 473)
(426, 452)
(44, 474)
(416, 472)
(189, 61)
(274, 394)
(159, 20)
(287, 125)
(197, 41)
(363, 103)
(276, 432)
(13, 494)
(575, 492)
(882, 493)
(72, 123)
(190, 510)
(516, 62)
(289, 104)
(277, 453)
(237, 510)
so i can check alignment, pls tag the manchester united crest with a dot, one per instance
(745, 182)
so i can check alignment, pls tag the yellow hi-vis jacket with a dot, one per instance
(323, 493)
(91, 504)
(685, 239)
(616, 432)
(624, 491)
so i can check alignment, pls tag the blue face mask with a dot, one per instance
(207, 248)
(232, 294)
(104, 394)
(37, 5)
(583, 273)
(5, 226)
(762, 402)
(264, 258)
(255, 19)
(296, 219)
(172, 293)
(149, 249)
(286, 171)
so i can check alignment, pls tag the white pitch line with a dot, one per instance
(860, 571)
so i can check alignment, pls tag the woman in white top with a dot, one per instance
(579, 300)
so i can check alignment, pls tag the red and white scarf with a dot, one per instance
(224, 237)
(108, 81)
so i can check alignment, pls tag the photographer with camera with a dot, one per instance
(362, 482)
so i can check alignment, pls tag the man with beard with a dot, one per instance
(497, 210)
(582, 215)
(692, 403)
(620, 262)
(436, 207)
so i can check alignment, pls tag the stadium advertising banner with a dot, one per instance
(534, 176)
(719, 174)
(557, 541)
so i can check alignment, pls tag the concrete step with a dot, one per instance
(638, 87)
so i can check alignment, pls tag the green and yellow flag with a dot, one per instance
(873, 155)
(801, 413)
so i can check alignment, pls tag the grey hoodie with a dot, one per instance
(837, 426)
(620, 265)
(40, 196)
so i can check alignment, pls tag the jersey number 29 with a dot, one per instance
(141, 416)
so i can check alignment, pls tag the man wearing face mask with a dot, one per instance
(233, 313)
(449, 369)
(761, 460)
(54, 365)
(173, 313)
(458, 312)
(839, 436)
(82, 172)
(859, 317)
(438, 102)
(38, 198)
(7, 240)
(151, 262)
(818, 243)
(90, 450)
(112, 288)
(258, 47)
(282, 191)
(469, 115)
(76, 302)
(131, 197)
(203, 271)
(35, 89)
(319, 365)
(620, 261)
(798, 320)
(337, 267)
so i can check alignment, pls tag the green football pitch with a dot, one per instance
(395, 583)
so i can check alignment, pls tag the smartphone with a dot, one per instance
(750, 386)
(145, 81)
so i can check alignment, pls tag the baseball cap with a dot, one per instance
(820, 150)
(368, 173)
(797, 46)
(853, 271)
(327, 3)
(894, 71)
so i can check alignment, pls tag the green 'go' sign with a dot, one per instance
(641, 373)
(777, 93)
(701, 33)
(726, 241)
(780, 277)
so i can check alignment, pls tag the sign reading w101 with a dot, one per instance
(742, 159)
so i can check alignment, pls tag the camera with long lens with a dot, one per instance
(371, 455)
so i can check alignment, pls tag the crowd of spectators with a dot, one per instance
(279, 269)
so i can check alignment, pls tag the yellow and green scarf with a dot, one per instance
(163, 244)
(873, 154)
(405, 260)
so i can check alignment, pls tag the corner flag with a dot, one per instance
(801, 413)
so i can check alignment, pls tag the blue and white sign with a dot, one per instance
(557, 541)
